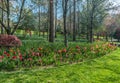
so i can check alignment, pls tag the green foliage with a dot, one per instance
(29, 22)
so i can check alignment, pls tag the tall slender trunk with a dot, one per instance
(78, 25)
(2, 18)
(111, 37)
(87, 27)
(48, 22)
(48, 27)
(87, 34)
(56, 19)
(51, 29)
(8, 18)
(70, 17)
(106, 36)
(64, 21)
(74, 22)
(91, 21)
(39, 20)
(91, 30)
(65, 30)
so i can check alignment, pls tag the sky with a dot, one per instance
(116, 2)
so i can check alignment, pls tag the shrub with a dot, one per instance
(9, 41)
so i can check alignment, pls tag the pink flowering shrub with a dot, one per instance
(9, 40)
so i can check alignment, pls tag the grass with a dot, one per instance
(100, 70)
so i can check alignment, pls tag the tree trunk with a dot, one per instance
(56, 19)
(65, 32)
(8, 18)
(97, 35)
(70, 17)
(51, 29)
(87, 34)
(39, 21)
(106, 36)
(87, 27)
(111, 37)
(64, 21)
(91, 30)
(74, 22)
(91, 22)
(78, 25)
(2, 18)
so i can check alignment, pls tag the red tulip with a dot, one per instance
(29, 59)
(1, 57)
(14, 57)
(5, 52)
(20, 57)
(77, 47)
(39, 49)
(37, 53)
(64, 50)
(14, 53)
(8, 55)
(33, 53)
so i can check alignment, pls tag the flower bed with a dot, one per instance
(43, 56)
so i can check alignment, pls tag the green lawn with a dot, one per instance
(100, 70)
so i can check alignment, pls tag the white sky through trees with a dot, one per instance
(116, 2)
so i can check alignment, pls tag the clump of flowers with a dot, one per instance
(37, 56)
(9, 40)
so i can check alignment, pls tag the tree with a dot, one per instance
(56, 3)
(7, 27)
(93, 14)
(29, 22)
(38, 3)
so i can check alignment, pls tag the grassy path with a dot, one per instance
(101, 70)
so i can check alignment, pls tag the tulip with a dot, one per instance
(64, 50)
(20, 57)
(1, 57)
(8, 55)
(14, 57)
(59, 51)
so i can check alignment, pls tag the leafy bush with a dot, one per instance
(9, 40)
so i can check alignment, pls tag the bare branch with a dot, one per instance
(3, 9)
(3, 25)
(21, 9)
